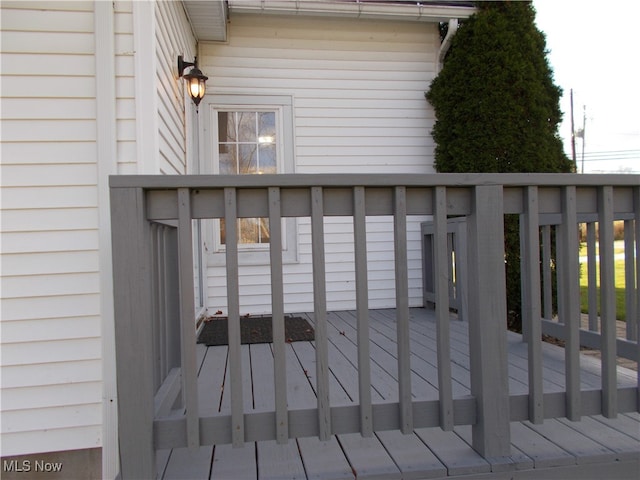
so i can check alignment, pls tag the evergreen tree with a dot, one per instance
(497, 108)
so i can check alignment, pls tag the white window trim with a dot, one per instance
(283, 106)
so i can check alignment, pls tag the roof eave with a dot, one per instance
(208, 19)
(425, 12)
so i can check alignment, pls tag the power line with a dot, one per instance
(612, 155)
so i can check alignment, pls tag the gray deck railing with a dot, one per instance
(457, 260)
(148, 209)
(552, 324)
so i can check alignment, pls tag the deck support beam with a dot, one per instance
(487, 323)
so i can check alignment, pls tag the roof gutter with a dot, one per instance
(353, 9)
(446, 42)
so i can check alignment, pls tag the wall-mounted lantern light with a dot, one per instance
(196, 80)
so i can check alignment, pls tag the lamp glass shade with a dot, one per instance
(196, 83)
(196, 87)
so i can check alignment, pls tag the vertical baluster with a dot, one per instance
(157, 326)
(462, 276)
(362, 310)
(442, 271)
(547, 282)
(450, 267)
(560, 271)
(233, 301)
(524, 277)
(532, 311)
(169, 347)
(277, 308)
(629, 281)
(188, 318)
(427, 266)
(171, 296)
(592, 288)
(569, 282)
(402, 308)
(636, 221)
(607, 302)
(161, 301)
(320, 312)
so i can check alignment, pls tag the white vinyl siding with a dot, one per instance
(173, 38)
(51, 346)
(358, 88)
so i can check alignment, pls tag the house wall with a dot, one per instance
(58, 376)
(358, 105)
(51, 323)
(174, 37)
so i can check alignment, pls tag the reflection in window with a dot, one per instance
(247, 145)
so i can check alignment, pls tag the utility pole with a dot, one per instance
(584, 125)
(580, 134)
(573, 135)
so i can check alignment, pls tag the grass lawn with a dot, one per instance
(619, 281)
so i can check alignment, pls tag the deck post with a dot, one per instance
(487, 322)
(132, 268)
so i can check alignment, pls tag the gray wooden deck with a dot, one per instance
(595, 447)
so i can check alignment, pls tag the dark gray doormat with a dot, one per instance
(255, 330)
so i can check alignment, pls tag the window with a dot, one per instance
(248, 135)
(247, 145)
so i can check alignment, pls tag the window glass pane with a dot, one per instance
(246, 126)
(266, 127)
(249, 231)
(264, 230)
(248, 158)
(226, 127)
(228, 159)
(267, 155)
(223, 124)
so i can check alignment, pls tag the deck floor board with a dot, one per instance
(324, 460)
(428, 452)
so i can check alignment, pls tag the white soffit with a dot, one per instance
(208, 19)
(427, 11)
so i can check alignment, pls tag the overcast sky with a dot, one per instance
(595, 49)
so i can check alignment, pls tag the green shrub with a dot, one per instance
(497, 109)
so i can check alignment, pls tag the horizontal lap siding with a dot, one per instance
(51, 293)
(173, 38)
(51, 347)
(358, 91)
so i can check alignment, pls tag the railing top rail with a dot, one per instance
(372, 180)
